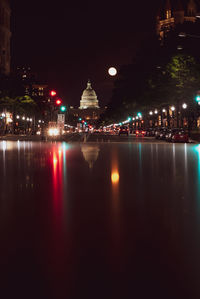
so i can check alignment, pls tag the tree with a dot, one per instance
(19, 105)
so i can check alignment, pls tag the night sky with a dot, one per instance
(68, 42)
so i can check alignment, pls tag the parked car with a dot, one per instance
(150, 132)
(168, 136)
(180, 136)
(162, 134)
(157, 132)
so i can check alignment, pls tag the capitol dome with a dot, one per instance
(89, 98)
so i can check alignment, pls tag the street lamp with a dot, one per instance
(197, 98)
(164, 110)
(184, 106)
(172, 108)
(156, 111)
(151, 113)
(184, 34)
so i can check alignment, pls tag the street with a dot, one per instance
(107, 220)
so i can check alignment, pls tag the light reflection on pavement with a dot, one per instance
(99, 220)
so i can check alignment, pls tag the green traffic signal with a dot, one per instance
(63, 108)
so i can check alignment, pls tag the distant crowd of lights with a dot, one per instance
(151, 112)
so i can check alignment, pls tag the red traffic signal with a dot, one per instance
(58, 102)
(53, 93)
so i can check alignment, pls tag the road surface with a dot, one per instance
(99, 220)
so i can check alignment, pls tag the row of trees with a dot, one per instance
(159, 76)
(14, 101)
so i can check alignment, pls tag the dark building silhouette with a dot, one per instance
(5, 37)
(174, 12)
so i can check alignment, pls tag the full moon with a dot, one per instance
(112, 71)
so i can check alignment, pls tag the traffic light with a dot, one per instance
(80, 119)
(53, 93)
(58, 102)
(63, 108)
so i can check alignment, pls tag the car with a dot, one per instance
(180, 136)
(123, 130)
(161, 134)
(140, 133)
(150, 132)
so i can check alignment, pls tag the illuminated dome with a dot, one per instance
(89, 98)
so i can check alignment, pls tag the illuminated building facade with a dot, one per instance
(173, 13)
(5, 37)
(89, 98)
(89, 109)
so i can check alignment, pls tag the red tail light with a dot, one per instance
(143, 132)
(137, 132)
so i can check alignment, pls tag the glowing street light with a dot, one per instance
(164, 110)
(197, 98)
(112, 71)
(184, 106)
(133, 118)
(151, 113)
(173, 108)
(182, 34)
(17, 117)
(23, 117)
(156, 111)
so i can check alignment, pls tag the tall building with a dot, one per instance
(5, 37)
(174, 12)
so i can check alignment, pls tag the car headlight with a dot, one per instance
(53, 132)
